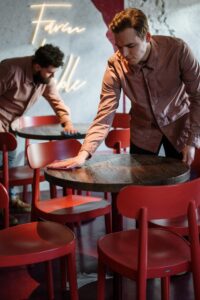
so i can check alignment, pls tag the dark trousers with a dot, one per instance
(170, 151)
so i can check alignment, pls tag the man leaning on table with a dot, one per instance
(161, 77)
(22, 81)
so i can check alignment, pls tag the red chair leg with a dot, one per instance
(49, 275)
(67, 191)
(117, 287)
(25, 193)
(165, 287)
(33, 216)
(63, 269)
(72, 276)
(141, 289)
(101, 281)
(196, 280)
(106, 195)
(108, 223)
(53, 191)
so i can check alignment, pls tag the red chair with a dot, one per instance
(32, 121)
(68, 209)
(180, 224)
(15, 176)
(143, 253)
(118, 137)
(38, 242)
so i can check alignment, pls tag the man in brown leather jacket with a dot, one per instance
(161, 77)
(22, 81)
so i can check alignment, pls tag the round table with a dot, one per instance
(111, 172)
(51, 132)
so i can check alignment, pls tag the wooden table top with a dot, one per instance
(51, 132)
(111, 172)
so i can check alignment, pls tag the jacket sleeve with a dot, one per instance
(52, 96)
(6, 75)
(109, 101)
(190, 73)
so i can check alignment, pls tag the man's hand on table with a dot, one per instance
(188, 154)
(68, 128)
(74, 162)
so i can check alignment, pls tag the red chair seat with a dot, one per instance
(166, 253)
(34, 242)
(72, 208)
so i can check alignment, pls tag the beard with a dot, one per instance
(38, 78)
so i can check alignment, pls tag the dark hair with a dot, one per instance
(48, 55)
(130, 18)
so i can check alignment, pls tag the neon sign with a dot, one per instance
(64, 82)
(52, 27)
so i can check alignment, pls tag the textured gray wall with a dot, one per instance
(91, 45)
(179, 18)
(170, 17)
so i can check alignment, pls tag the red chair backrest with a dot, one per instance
(8, 143)
(118, 139)
(4, 205)
(33, 121)
(161, 202)
(42, 154)
(30, 121)
(121, 120)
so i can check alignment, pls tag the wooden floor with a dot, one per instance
(29, 282)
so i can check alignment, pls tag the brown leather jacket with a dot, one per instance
(18, 92)
(164, 94)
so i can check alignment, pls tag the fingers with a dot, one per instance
(189, 160)
(184, 157)
(71, 130)
(188, 155)
(64, 164)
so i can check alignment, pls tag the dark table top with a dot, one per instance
(111, 172)
(51, 132)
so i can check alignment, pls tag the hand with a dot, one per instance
(188, 154)
(69, 128)
(73, 162)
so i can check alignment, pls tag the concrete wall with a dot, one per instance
(179, 18)
(170, 17)
(87, 49)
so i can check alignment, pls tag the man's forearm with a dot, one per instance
(83, 154)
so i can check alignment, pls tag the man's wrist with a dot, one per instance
(83, 154)
(66, 123)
